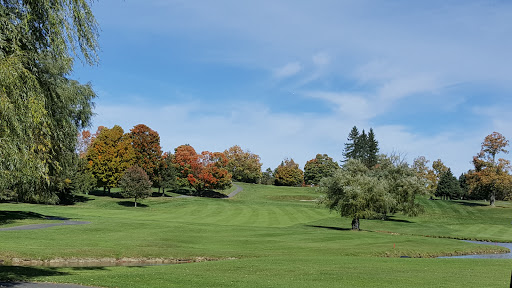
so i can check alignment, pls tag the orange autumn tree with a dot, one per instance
(109, 155)
(491, 178)
(288, 173)
(201, 171)
(148, 153)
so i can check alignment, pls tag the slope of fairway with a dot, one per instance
(272, 235)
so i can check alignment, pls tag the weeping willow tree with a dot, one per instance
(41, 108)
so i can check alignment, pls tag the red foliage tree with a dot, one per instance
(148, 153)
(201, 171)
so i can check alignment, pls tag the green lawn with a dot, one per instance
(276, 240)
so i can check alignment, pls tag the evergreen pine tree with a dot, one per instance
(463, 184)
(448, 186)
(373, 150)
(362, 147)
(350, 147)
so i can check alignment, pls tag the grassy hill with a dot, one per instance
(265, 236)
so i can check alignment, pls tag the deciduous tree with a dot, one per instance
(243, 165)
(491, 176)
(360, 193)
(135, 184)
(42, 109)
(110, 154)
(146, 145)
(201, 171)
(288, 174)
(320, 167)
(168, 173)
(434, 174)
(267, 177)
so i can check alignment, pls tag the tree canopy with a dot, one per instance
(320, 167)
(491, 177)
(243, 165)
(360, 193)
(448, 186)
(363, 147)
(288, 173)
(109, 155)
(201, 171)
(146, 145)
(42, 110)
(135, 184)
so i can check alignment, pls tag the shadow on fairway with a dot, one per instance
(471, 204)
(392, 219)
(131, 204)
(18, 273)
(8, 217)
(205, 193)
(330, 227)
(70, 200)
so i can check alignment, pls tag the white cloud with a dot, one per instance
(381, 53)
(353, 107)
(321, 59)
(288, 70)
(402, 87)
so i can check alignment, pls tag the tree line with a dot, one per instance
(489, 179)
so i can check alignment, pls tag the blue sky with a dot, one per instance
(291, 78)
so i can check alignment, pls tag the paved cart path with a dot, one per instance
(40, 285)
(66, 221)
(238, 189)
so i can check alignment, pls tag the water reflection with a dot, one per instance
(487, 256)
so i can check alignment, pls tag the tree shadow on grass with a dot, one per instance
(210, 194)
(392, 219)
(7, 217)
(70, 200)
(20, 273)
(131, 204)
(329, 227)
(184, 191)
(471, 204)
(204, 193)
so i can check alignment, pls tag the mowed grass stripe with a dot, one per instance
(272, 216)
(457, 209)
(216, 211)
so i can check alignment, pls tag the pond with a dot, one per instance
(487, 256)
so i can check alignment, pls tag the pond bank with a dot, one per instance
(108, 262)
(487, 256)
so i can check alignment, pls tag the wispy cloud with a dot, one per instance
(288, 70)
(388, 65)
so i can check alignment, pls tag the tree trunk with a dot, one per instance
(355, 224)
(493, 198)
(135, 202)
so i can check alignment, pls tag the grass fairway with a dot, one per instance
(276, 240)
